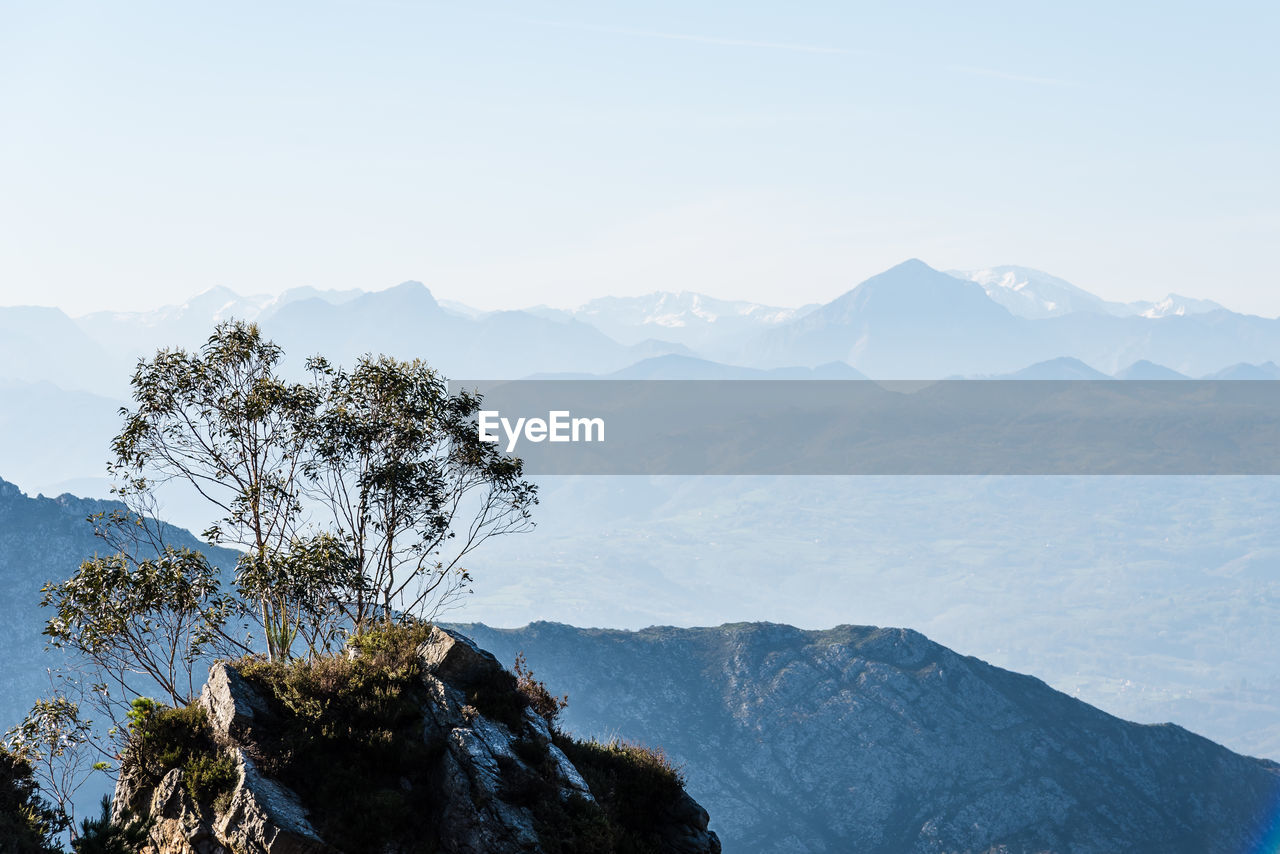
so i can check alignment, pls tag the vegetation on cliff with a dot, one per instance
(411, 740)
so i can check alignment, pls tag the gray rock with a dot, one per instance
(266, 817)
(456, 660)
(231, 702)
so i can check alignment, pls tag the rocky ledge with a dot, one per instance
(479, 773)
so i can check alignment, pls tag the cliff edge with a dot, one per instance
(415, 740)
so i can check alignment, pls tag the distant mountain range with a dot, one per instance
(913, 322)
(700, 322)
(910, 322)
(881, 741)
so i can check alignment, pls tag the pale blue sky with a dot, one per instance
(517, 153)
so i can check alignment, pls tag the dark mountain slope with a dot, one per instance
(860, 739)
(45, 539)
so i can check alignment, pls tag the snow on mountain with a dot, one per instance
(704, 323)
(1035, 294)
(1174, 305)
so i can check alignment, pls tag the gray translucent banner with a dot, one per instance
(963, 427)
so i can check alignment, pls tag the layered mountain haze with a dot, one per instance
(1144, 370)
(50, 437)
(406, 321)
(44, 345)
(910, 322)
(675, 366)
(141, 333)
(913, 322)
(1145, 596)
(1245, 371)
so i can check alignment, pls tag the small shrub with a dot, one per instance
(162, 739)
(210, 777)
(101, 835)
(632, 783)
(544, 704)
(348, 736)
(393, 646)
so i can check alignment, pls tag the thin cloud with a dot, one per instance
(701, 39)
(1006, 75)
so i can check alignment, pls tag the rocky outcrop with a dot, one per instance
(492, 757)
(481, 757)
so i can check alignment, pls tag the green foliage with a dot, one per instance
(55, 742)
(162, 739)
(157, 616)
(394, 456)
(223, 420)
(101, 835)
(28, 825)
(209, 776)
(392, 647)
(348, 737)
(304, 581)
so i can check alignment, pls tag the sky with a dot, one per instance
(509, 154)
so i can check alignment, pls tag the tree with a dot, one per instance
(224, 422)
(54, 745)
(307, 583)
(28, 825)
(355, 497)
(126, 834)
(397, 461)
(150, 619)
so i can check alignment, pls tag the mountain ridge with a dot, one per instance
(880, 740)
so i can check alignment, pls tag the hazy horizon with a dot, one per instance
(514, 154)
(472, 299)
